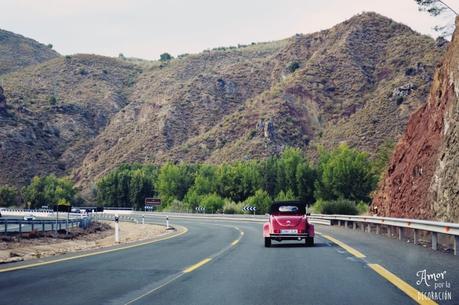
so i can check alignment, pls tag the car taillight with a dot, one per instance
(276, 231)
(300, 231)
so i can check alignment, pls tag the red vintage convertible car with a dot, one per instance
(288, 221)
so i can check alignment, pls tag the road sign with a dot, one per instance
(152, 201)
(249, 208)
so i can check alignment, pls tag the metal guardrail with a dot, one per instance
(40, 224)
(433, 227)
(105, 216)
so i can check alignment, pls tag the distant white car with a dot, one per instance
(29, 217)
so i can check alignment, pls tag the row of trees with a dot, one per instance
(49, 190)
(342, 173)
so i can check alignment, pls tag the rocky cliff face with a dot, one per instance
(422, 180)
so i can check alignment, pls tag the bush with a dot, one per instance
(165, 57)
(230, 207)
(362, 207)
(340, 206)
(260, 200)
(293, 66)
(176, 206)
(212, 203)
(52, 100)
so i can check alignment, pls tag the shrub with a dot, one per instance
(362, 207)
(176, 206)
(339, 206)
(52, 100)
(212, 203)
(82, 71)
(165, 57)
(293, 66)
(230, 207)
(260, 200)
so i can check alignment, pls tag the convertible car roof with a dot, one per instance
(276, 204)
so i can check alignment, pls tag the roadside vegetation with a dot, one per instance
(339, 182)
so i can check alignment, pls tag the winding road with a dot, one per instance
(225, 262)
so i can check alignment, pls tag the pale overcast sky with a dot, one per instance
(146, 28)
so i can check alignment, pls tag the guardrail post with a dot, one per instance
(52, 226)
(6, 226)
(377, 229)
(456, 244)
(346, 224)
(31, 225)
(434, 240)
(354, 225)
(20, 228)
(389, 231)
(400, 233)
(415, 237)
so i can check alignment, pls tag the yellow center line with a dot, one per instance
(402, 285)
(197, 265)
(90, 254)
(349, 249)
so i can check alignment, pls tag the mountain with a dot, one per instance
(422, 180)
(356, 82)
(55, 110)
(17, 52)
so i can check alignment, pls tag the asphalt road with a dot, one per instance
(224, 266)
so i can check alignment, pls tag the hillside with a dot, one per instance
(423, 178)
(356, 82)
(17, 52)
(55, 110)
(224, 105)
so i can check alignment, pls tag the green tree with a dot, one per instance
(127, 186)
(48, 190)
(286, 196)
(305, 177)
(174, 181)
(8, 195)
(268, 173)
(345, 173)
(261, 200)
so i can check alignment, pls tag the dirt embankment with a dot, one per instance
(99, 235)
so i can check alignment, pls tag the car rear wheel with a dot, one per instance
(267, 242)
(309, 241)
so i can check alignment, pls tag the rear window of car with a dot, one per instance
(288, 209)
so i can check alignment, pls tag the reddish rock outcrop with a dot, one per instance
(422, 180)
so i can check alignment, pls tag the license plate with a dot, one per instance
(289, 231)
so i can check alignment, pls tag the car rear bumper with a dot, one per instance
(289, 236)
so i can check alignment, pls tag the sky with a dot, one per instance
(147, 28)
